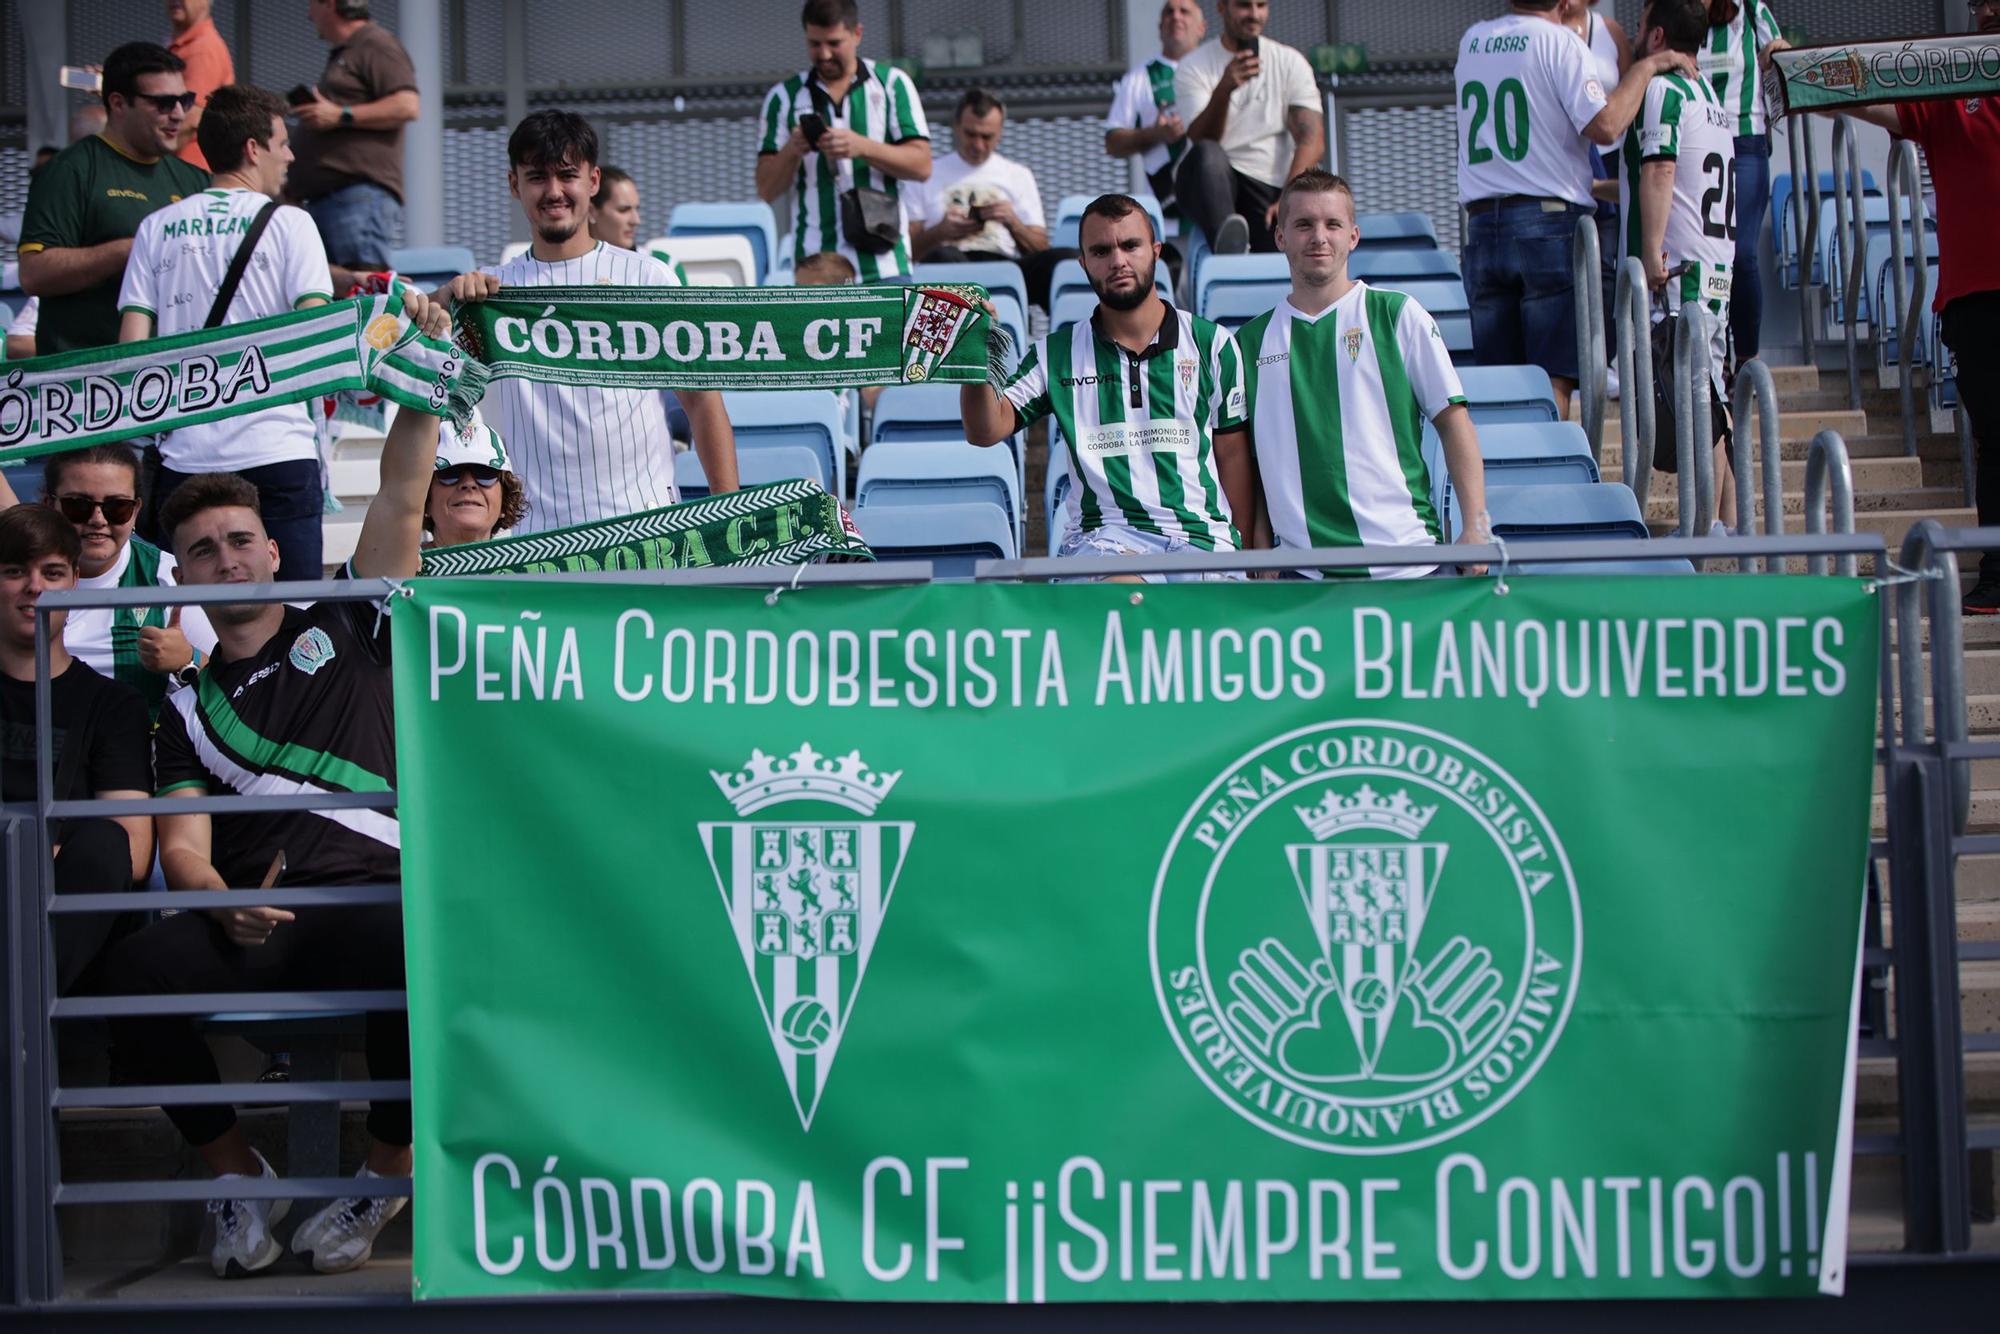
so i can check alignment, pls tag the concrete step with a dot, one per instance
(1978, 879)
(1985, 778)
(1875, 1085)
(1663, 500)
(1792, 425)
(1891, 525)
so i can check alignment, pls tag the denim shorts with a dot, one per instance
(359, 223)
(1517, 278)
(1120, 541)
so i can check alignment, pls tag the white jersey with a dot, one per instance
(1604, 50)
(584, 453)
(1337, 406)
(107, 638)
(1138, 100)
(1685, 123)
(1729, 62)
(1526, 89)
(180, 256)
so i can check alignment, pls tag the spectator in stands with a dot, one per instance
(473, 495)
(1742, 37)
(188, 248)
(1339, 376)
(1676, 161)
(1611, 50)
(1524, 176)
(99, 738)
(85, 206)
(310, 684)
(830, 268)
(1961, 141)
(982, 205)
(1253, 122)
(843, 135)
(1144, 120)
(84, 122)
(208, 63)
(614, 209)
(350, 142)
(585, 453)
(1190, 420)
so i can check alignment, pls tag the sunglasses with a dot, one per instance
(164, 103)
(78, 509)
(481, 474)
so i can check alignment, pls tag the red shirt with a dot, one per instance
(1961, 140)
(208, 68)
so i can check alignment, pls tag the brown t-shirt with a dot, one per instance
(366, 67)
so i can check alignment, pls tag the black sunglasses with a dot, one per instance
(481, 474)
(78, 509)
(164, 103)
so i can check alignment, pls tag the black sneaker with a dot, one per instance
(1984, 600)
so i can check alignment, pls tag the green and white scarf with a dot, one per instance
(736, 337)
(94, 395)
(1920, 69)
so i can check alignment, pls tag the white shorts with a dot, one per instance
(1120, 541)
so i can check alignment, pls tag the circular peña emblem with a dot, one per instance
(1365, 937)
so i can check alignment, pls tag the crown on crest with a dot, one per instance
(805, 775)
(1366, 809)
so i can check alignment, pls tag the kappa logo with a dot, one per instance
(311, 651)
(806, 897)
(1434, 963)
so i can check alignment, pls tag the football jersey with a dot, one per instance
(1526, 89)
(1338, 402)
(583, 453)
(1684, 122)
(1729, 62)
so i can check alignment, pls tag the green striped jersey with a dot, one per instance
(1684, 122)
(1338, 402)
(1140, 429)
(1729, 62)
(881, 104)
(1139, 100)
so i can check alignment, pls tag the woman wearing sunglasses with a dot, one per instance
(473, 495)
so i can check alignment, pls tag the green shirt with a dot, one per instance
(89, 194)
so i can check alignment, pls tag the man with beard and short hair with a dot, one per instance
(584, 453)
(1145, 120)
(1149, 399)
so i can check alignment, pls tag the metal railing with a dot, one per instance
(1826, 463)
(1849, 213)
(1694, 455)
(1910, 287)
(1632, 321)
(1586, 277)
(1757, 401)
(1805, 223)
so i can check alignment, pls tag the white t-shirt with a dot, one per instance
(1526, 89)
(584, 453)
(87, 630)
(179, 258)
(956, 184)
(1255, 138)
(24, 323)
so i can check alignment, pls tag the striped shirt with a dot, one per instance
(881, 104)
(108, 638)
(1337, 407)
(1729, 61)
(1140, 428)
(584, 453)
(1138, 100)
(1684, 122)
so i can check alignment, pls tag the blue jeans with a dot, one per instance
(291, 500)
(1753, 196)
(1517, 278)
(358, 223)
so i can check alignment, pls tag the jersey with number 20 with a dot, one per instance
(1526, 89)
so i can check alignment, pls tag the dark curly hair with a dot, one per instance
(513, 503)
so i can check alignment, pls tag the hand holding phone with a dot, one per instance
(812, 127)
(302, 94)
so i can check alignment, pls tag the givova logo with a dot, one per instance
(1365, 937)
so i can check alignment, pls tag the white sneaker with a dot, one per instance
(342, 1236)
(1611, 382)
(243, 1240)
(1233, 236)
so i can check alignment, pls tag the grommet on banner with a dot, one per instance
(1138, 599)
(1902, 576)
(798, 573)
(397, 589)
(1500, 580)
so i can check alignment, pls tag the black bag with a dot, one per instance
(1666, 457)
(870, 219)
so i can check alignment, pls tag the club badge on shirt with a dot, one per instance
(1351, 340)
(311, 651)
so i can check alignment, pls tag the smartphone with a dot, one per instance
(300, 95)
(977, 212)
(1256, 48)
(812, 127)
(75, 76)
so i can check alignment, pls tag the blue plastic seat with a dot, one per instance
(1221, 273)
(1408, 230)
(1664, 565)
(1069, 219)
(1565, 512)
(812, 418)
(1236, 304)
(434, 265)
(1518, 454)
(754, 467)
(1000, 277)
(925, 412)
(1446, 301)
(753, 220)
(1073, 308)
(1498, 394)
(933, 472)
(953, 538)
(1390, 266)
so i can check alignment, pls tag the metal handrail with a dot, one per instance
(1692, 413)
(1805, 221)
(1826, 460)
(1757, 400)
(1904, 182)
(1848, 212)
(1927, 553)
(1585, 272)
(1632, 322)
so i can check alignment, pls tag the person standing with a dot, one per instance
(1253, 123)
(350, 140)
(1530, 105)
(980, 204)
(1145, 120)
(843, 136)
(208, 63)
(85, 206)
(1742, 37)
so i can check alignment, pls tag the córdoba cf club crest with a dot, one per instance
(806, 886)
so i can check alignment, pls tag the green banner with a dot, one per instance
(781, 523)
(1917, 69)
(1030, 943)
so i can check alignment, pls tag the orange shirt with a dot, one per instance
(208, 68)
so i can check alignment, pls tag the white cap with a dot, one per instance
(478, 443)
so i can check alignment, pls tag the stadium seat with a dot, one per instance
(1446, 301)
(754, 467)
(1069, 277)
(1498, 394)
(1784, 233)
(953, 538)
(1390, 267)
(1266, 274)
(753, 221)
(1396, 231)
(432, 266)
(1565, 512)
(1073, 308)
(1517, 454)
(1664, 565)
(710, 261)
(929, 414)
(1069, 219)
(935, 473)
(1055, 492)
(1000, 277)
(1234, 305)
(811, 418)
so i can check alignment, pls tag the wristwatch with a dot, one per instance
(347, 118)
(185, 676)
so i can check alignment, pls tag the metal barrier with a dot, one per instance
(1693, 375)
(1632, 322)
(1805, 222)
(1757, 400)
(1826, 459)
(1848, 213)
(1931, 556)
(1910, 288)
(1586, 276)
